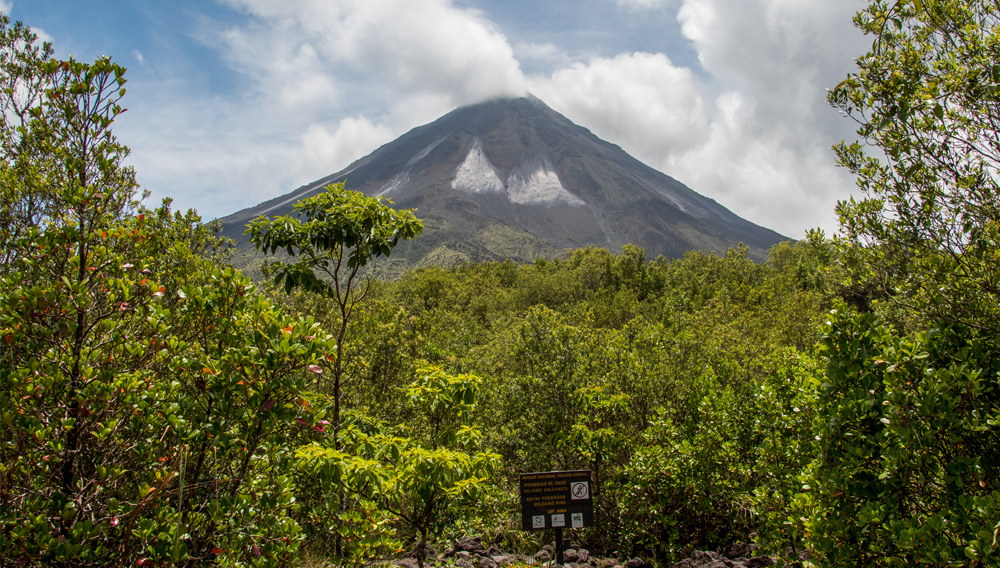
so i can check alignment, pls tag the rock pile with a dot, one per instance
(725, 559)
(470, 552)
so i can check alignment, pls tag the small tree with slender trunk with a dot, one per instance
(341, 233)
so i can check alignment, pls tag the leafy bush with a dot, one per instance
(908, 451)
(148, 398)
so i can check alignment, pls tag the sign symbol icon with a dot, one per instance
(577, 520)
(558, 521)
(538, 521)
(580, 490)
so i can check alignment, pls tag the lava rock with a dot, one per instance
(638, 563)
(470, 544)
(738, 550)
(703, 559)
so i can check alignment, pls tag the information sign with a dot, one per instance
(556, 500)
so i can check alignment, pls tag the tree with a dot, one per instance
(906, 453)
(148, 399)
(22, 202)
(343, 231)
(927, 98)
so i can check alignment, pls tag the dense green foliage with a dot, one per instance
(926, 97)
(148, 395)
(843, 398)
(907, 454)
(907, 408)
(664, 378)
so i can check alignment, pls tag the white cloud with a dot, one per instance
(327, 82)
(285, 67)
(203, 152)
(408, 46)
(138, 56)
(42, 35)
(5, 6)
(770, 142)
(752, 130)
(640, 99)
(546, 54)
(323, 153)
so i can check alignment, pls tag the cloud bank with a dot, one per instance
(325, 83)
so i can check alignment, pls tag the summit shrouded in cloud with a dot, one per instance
(512, 178)
(236, 101)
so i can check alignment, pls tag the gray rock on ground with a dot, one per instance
(705, 559)
(470, 552)
(470, 544)
(637, 563)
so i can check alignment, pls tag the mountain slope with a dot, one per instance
(512, 178)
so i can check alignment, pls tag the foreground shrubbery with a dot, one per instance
(674, 410)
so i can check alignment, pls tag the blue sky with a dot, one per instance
(232, 102)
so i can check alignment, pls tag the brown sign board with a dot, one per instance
(556, 500)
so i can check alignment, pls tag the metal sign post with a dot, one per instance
(556, 500)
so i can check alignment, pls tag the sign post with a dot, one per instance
(556, 500)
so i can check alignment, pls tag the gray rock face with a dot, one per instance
(543, 556)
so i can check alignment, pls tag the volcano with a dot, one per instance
(512, 178)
